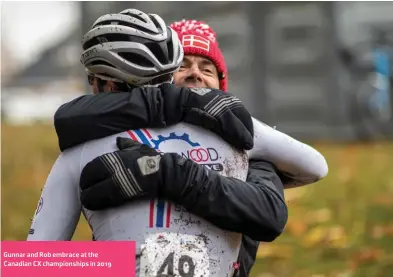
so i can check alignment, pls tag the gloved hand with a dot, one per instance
(219, 112)
(136, 170)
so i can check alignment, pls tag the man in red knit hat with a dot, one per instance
(204, 66)
(203, 63)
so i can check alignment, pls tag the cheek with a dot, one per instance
(212, 82)
(178, 77)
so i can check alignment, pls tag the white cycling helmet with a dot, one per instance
(132, 47)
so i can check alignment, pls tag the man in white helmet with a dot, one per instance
(131, 49)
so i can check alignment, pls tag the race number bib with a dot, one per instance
(173, 254)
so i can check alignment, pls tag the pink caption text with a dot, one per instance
(67, 258)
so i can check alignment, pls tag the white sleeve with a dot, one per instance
(59, 208)
(301, 163)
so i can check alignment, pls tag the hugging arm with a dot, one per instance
(255, 208)
(91, 117)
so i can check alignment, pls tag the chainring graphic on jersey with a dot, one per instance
(172, 136)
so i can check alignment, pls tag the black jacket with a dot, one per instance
(255, 208)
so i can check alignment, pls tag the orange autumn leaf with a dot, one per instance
(334, 236)
(384, 200)
(318, 216)
(377, 232)
(315, 236)
(275, 250)
(296, 227)
(337, 237)
(365, 256)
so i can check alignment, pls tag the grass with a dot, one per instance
(340, 227)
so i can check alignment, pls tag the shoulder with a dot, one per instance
(95, 148)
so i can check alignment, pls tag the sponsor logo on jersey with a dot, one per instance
(160, 210)
(207, 156)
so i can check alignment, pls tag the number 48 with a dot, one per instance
(186, 266)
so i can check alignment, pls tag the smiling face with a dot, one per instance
(197, 71)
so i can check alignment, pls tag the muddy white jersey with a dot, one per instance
(169, 239)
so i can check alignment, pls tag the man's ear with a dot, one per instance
(94, 84)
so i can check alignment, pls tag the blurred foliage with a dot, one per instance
(340, 227)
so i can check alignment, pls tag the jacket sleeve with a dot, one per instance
(59, 209)
(110, 113)
(255, 208)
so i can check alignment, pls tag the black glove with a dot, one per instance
(135, 171)
(221, 113)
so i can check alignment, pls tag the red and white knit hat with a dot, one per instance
(199, 39)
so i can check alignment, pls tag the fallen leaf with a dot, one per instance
(315, 236)
(275, 250)
(345, 274)
(384, 200)
(365, 256)
(337, 237)
(296, 227)
(319, 216)
(388, 230)
(377, 232)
